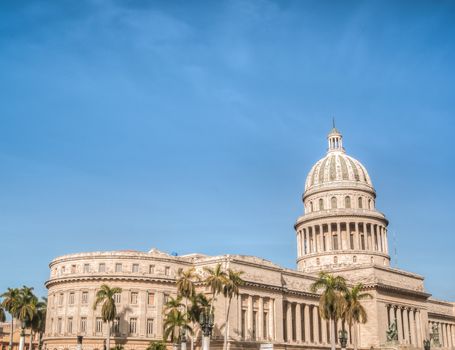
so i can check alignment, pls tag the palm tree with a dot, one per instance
(2, 314)
(25, 310)
(108, 311)
(9, 303)
(199, 304)
(231, 289)
(174, 323)
(186, 289)
(37, 323)
(215, 280)
(330, 300)
(352, 311)
(173, 305)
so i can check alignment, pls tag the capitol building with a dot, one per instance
(341, 231)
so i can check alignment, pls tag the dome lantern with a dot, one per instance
(335, 140)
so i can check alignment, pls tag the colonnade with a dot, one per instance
(303, 324)
(256, 317)
(335, 236)
(446, 333)
(409, 324)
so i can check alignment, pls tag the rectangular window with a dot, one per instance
(135, 268)
(150, 298)
(51, 330)
(86, 268)
(84, 299)
(59, 325)
(166, 298)
(63, 269)
(83, 324)
(71, 299)
(255, 314)
(99, 325)
(118, 267)
(116, 325)
(73, 268)
(167, 270)
(117, 298)
(152, 269)
(102, 267)
(265, 327)
(60, 299)
(150, 327)
(69, 326)
(335, 242)
(243, 324)
(133, 298)
(133, 325)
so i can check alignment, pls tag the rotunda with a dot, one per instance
(341, 226)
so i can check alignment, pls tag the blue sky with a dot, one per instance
(191, 126)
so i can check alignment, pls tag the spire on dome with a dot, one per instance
(335, 139)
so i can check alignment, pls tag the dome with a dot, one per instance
(337, 167)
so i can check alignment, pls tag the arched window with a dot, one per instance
(369, 204)
(360, 203)
(333, 202)
(318, 261)
(311, 207)
(354, 259)
(321, 204)
(347, 202)
(335, 260)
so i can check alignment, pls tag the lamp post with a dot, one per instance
(22, 339)
(206, 321)
(343, 338)
(183, 340)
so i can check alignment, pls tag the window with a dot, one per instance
(347, 202)
(118, 267)
(369, 204)
(167, 270)
(351, 240)
(117, 298)
(84, 299)
(166, 298)
(362, 241)
(335, 260)
(333, 202)
(83, 324)
(318, 262)
(150, 298)
(335, 242)
(360, 202)
(86, 268)
(133, 298)
(152, 269)
(69, 326)
(311, 206)
(60, 299)
(321, 204)
(71, 298)
(265, 326)
(243, 323)
(73, 268)
(116, 325)
(59, 325)
(354, 259)
(99, 325)
(63, 269)
(102, 267)
(52, 326)
(135, 268)
(150, 326)
(133, 325)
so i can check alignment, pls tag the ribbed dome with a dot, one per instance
(336, 167)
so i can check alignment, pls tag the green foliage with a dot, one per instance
(105, 295)
(175, 324)
(156, 345)
(117, 347)
(331, 298)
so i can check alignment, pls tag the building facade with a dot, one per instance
(340, 232)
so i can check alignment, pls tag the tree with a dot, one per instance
(9, 303)
(25, 310)
(2, 314)
(38, 323)
(231, 287)
(174, 323)
(156, 345)
(215, 280)
(330, 300)
(108, 310)
(186, 289)
(199, 304)
(173, 305)
(352, 311)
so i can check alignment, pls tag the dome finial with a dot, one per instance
(335, 139)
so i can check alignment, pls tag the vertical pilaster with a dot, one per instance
(315, 325)
(278, 319)
(288, 322)
(412, 325)
(298, 323)
(159, 314)
(249, 333)
(406, 325)
(418, 329)
(306, 318)
(260, 325)
(324, 332)
(399, 325)
(271, 319)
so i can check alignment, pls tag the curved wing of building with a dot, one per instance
(340, 232)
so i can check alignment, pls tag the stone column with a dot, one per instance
(315, 325)
(321, 238)
(391, 314)
(324, 339)
(249, 328)
(316, 239)
(299, 244)
(356, 236)
(412, 324)
(399, 325)
(452, 332)
(418, 329)
(260, 325)
(159, 314)
(306, 320)
(278, 318)
(340, 239)
(288, 322)
(239, 315)
(406, 325)
(271, 319)
(298, 323)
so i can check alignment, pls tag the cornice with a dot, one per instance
(62, 280)
(331, 214)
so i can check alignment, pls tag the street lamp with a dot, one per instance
(343, 337)
(206, 321)
(22, 339)
(79, 342)
(183, 340)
